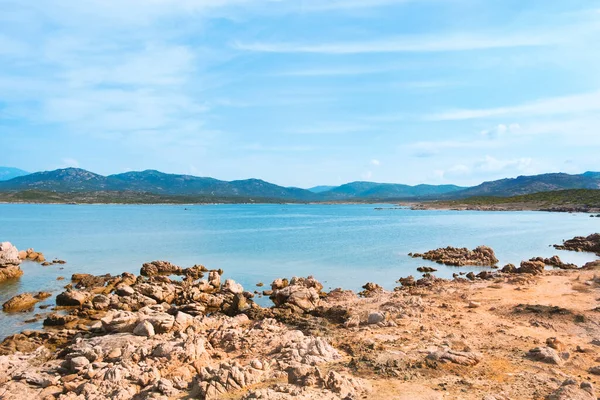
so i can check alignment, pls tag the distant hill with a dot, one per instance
(372, 190)
(523, 185)
(320, 189)
(155, 182)
(7, 173)
(158, 184)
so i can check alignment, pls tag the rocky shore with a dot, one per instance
(177, 333)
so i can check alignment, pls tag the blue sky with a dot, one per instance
(302, 92)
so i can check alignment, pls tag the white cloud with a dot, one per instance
(577, 103)
(69, 163)
(491, 164)
(375, 162)
(500, 130)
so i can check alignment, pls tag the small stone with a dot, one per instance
(474, 304)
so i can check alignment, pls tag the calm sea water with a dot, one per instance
(341, 245)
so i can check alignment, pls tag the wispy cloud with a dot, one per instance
(330, 129)
(407, 44)
(578, 103)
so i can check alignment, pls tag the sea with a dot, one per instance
(341, 245)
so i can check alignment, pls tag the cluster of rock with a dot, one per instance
(555, 261)
(156, 268)
(32, 255)
(9, 262)
(154, 338)
(590, 243)
(458, 257)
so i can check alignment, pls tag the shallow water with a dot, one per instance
(341, 245)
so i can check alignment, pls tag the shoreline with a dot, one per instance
(517, 334)
(458, 206)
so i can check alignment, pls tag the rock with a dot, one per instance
(100, 302)
(482, 256)
(456, 357)
(78, 363)
(531, 267)
(21, 302)
(59, 320)
(470, 276)
(125, 290)
(595, 370)
(375, 318)
(9, 255)
(161, 321)
(545, 354)
(232, 287)
(409, 281)
(371, 289)
(214, 279)
(144, 328)
(155, 268)
(72, 298)
(556, 344)
(569, 390)
(426, 269)
(474, 304)
(302, 293)
(509, 269)
(119, 321)
(9, 262)
(590, 243)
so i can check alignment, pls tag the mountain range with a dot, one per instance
(75, 180)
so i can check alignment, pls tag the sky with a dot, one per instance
(302, 92)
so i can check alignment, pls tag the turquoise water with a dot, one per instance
(341, 245)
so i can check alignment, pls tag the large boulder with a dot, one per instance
(9, 255)
(72, 298)
(531, 267)
(301, 293)
(9, 262)
(21, 302)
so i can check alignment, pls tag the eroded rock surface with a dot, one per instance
(458, 257)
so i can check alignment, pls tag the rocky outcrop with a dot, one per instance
(9, 262)
(590, 243)
(157, 268)
(482, 256)
(300, 295)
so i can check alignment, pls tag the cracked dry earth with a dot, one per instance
(512, 337)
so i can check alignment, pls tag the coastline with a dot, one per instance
(502, 334)
(458, 206)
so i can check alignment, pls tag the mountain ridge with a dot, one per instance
(76, 180)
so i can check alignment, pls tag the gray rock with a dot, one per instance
(144, 328)
(375, 318)
(79, 363)
(545, 354)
